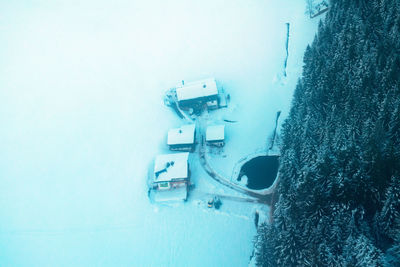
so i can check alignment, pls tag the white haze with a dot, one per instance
(82, 116)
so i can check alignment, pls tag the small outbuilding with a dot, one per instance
(182, 138)
(171, 173)
(215, 135)
(204, 91)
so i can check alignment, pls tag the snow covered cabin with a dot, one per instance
(182, 138)
(171, 172)
(215, 135)
(204, 91)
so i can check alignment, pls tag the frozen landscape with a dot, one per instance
(82, 118)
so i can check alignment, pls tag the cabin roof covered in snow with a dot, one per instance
(171, 166)
(215, 133)
(193, 90)
(181, 136)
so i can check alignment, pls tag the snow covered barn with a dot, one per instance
(215, 135)
(204, 91)
(171, 173)
(182, 138)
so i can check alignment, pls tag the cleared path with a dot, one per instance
(265, 198)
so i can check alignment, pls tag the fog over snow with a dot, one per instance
(82, 118)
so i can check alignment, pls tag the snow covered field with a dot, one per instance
(82, 117)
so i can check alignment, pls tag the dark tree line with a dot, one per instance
(339, 191)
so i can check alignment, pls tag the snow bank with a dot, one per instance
(82, 115)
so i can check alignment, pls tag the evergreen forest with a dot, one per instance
(338, 199)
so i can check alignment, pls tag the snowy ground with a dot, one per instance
(82, 117)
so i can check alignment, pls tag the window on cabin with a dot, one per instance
(163, 185)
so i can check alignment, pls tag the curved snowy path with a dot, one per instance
(264, 198)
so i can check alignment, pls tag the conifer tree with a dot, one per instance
(339, 190)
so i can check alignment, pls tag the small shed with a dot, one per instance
(215, 135)
(200, 91)
(182, 138)
(171, 171)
